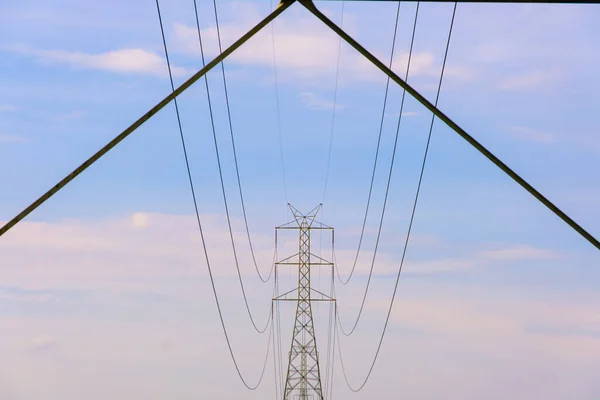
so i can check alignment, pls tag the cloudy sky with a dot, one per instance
(104, 290)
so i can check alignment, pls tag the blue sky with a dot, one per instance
(107, 279)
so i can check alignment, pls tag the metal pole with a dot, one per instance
(507, 170)
(281, 8)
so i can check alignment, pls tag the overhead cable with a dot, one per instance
(191, 182)
(214, 132)
(364, 223)
(237, 169)
(283, 175)
(310, 6)
(364, 297)
(335, 93)
(362, 385)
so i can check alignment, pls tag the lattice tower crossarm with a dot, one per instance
(303, 379)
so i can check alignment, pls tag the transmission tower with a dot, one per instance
(303, 379)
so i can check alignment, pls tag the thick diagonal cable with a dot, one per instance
(310, 6)
(335, 93)
(237, 169)
(111, 144)
(387, 190)
(191, 182)
(410, 225)
(277, 102)
(214, 132)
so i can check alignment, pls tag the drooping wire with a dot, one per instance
(364, 224)
(278, 108)
(410, 223)
(276, 356)
(278, 318)
(335, 93)
(330, 347)
(191, 182)
(214, 132)
(282, 376)
(364, 297)
(327, 360)
(333, 354)
(237, 169)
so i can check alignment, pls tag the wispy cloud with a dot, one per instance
(8, 108)
(314, 102)
(404, 114)
(127, 61)
(516, 253)
(71, 116)
(528, 80)
(528, 134)
(9, 138)
(482, 258)
(42, 342)
(304, 48)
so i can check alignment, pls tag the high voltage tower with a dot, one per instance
(303, 378)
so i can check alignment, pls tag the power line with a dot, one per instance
(333, 354)
(330, 328)
(214, 132)
(278, 318)
(387, 190)
(410, 223)
(309, 5)
(141, 120)
(277, 397)
(278, 108)
(364, 224)
(335, 93)
(191, 182)
(237, 169)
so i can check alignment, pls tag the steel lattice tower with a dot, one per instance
(303, 379)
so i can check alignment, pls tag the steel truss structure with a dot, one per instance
(310, 6)
(303, 378)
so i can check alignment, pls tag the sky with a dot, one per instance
(104, 290)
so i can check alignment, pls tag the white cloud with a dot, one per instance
(127, 252)
(121, 252)
(8, 138)
(305, 48)
(128, 61)
(71, 116)
(92, 270)
(7, 108)
(387, 264)
(42, 342)
(532, 135)
(519, 253)
(528, 323)
(314, 102)
(140, 220)
(404, 114)
(529, 80)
